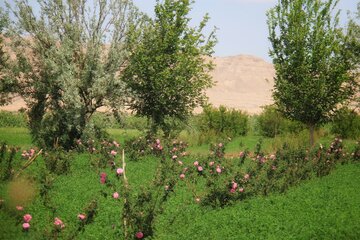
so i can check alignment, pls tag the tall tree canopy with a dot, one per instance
(68, 58)
(168, 71)
(312, 62)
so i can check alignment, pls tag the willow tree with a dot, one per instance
(168, 72)
(69, 56)
(311, 61)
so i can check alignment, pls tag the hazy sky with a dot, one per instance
(242, 23)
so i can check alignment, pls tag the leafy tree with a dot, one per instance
(69, 57)
(6, 83)
(354, 45)
(311, 60)
(168, 71)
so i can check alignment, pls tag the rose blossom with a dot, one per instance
(246, 176)
(196, 163)
(182, 176)
(139, 235)
(26, 226)
(218, 170)
(241, 190)
(200, 169)
(27, 218)
(19, 208)
(81, 216)
(58, 223)
(116, 195)
(119, 171)
(113, 152)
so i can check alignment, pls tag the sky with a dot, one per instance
(241, 24)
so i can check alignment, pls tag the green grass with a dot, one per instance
(16, 136)
(326, 208)
(322, 208)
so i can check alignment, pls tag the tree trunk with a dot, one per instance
(312, 131)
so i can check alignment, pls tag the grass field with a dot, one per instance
(322, 208)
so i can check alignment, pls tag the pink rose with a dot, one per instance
(19, 208)
(182, 176)
(200, 169)
(139, 235)
(180, 162)
(241, 154)
(218, 170)
(119, 171)
(211, 164)
(58, 223)
(196, 163)
(220, 145)
(246, 176)
(81, 216)
(232, 190)
(166, 187)
(26, 226)
(113, 152)
(158, 141)
(234, 185)
(116, 144)
(241, 190)
(174, 157)
(116, 195)
(27, 218)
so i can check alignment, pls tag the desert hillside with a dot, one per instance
(242, 82)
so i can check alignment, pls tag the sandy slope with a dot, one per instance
(242, 82)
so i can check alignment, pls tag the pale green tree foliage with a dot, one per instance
(168, 71)
(6, 82)
(69, 58)
(312, 62)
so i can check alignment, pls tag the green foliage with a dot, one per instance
(7, 156)
(312, 62)
(223, 122)
(12, 119)
(346, 124)
(167, 73)
(271, 123)
(69, 66)
(58, 161)
(6, 81)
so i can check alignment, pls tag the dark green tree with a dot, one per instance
(68, 59)
(169, 70)
(312, 62)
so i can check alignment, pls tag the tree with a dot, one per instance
(313, 67)
(353, 33)
(6, 82)
(168, 71)
(68, 60)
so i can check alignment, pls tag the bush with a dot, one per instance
(12, 119)
(271, 123)
(346, 124)
(223, 121)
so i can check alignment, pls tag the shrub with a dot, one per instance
(271, 123)
(58, 161)
(346, 124)
(223, 121)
